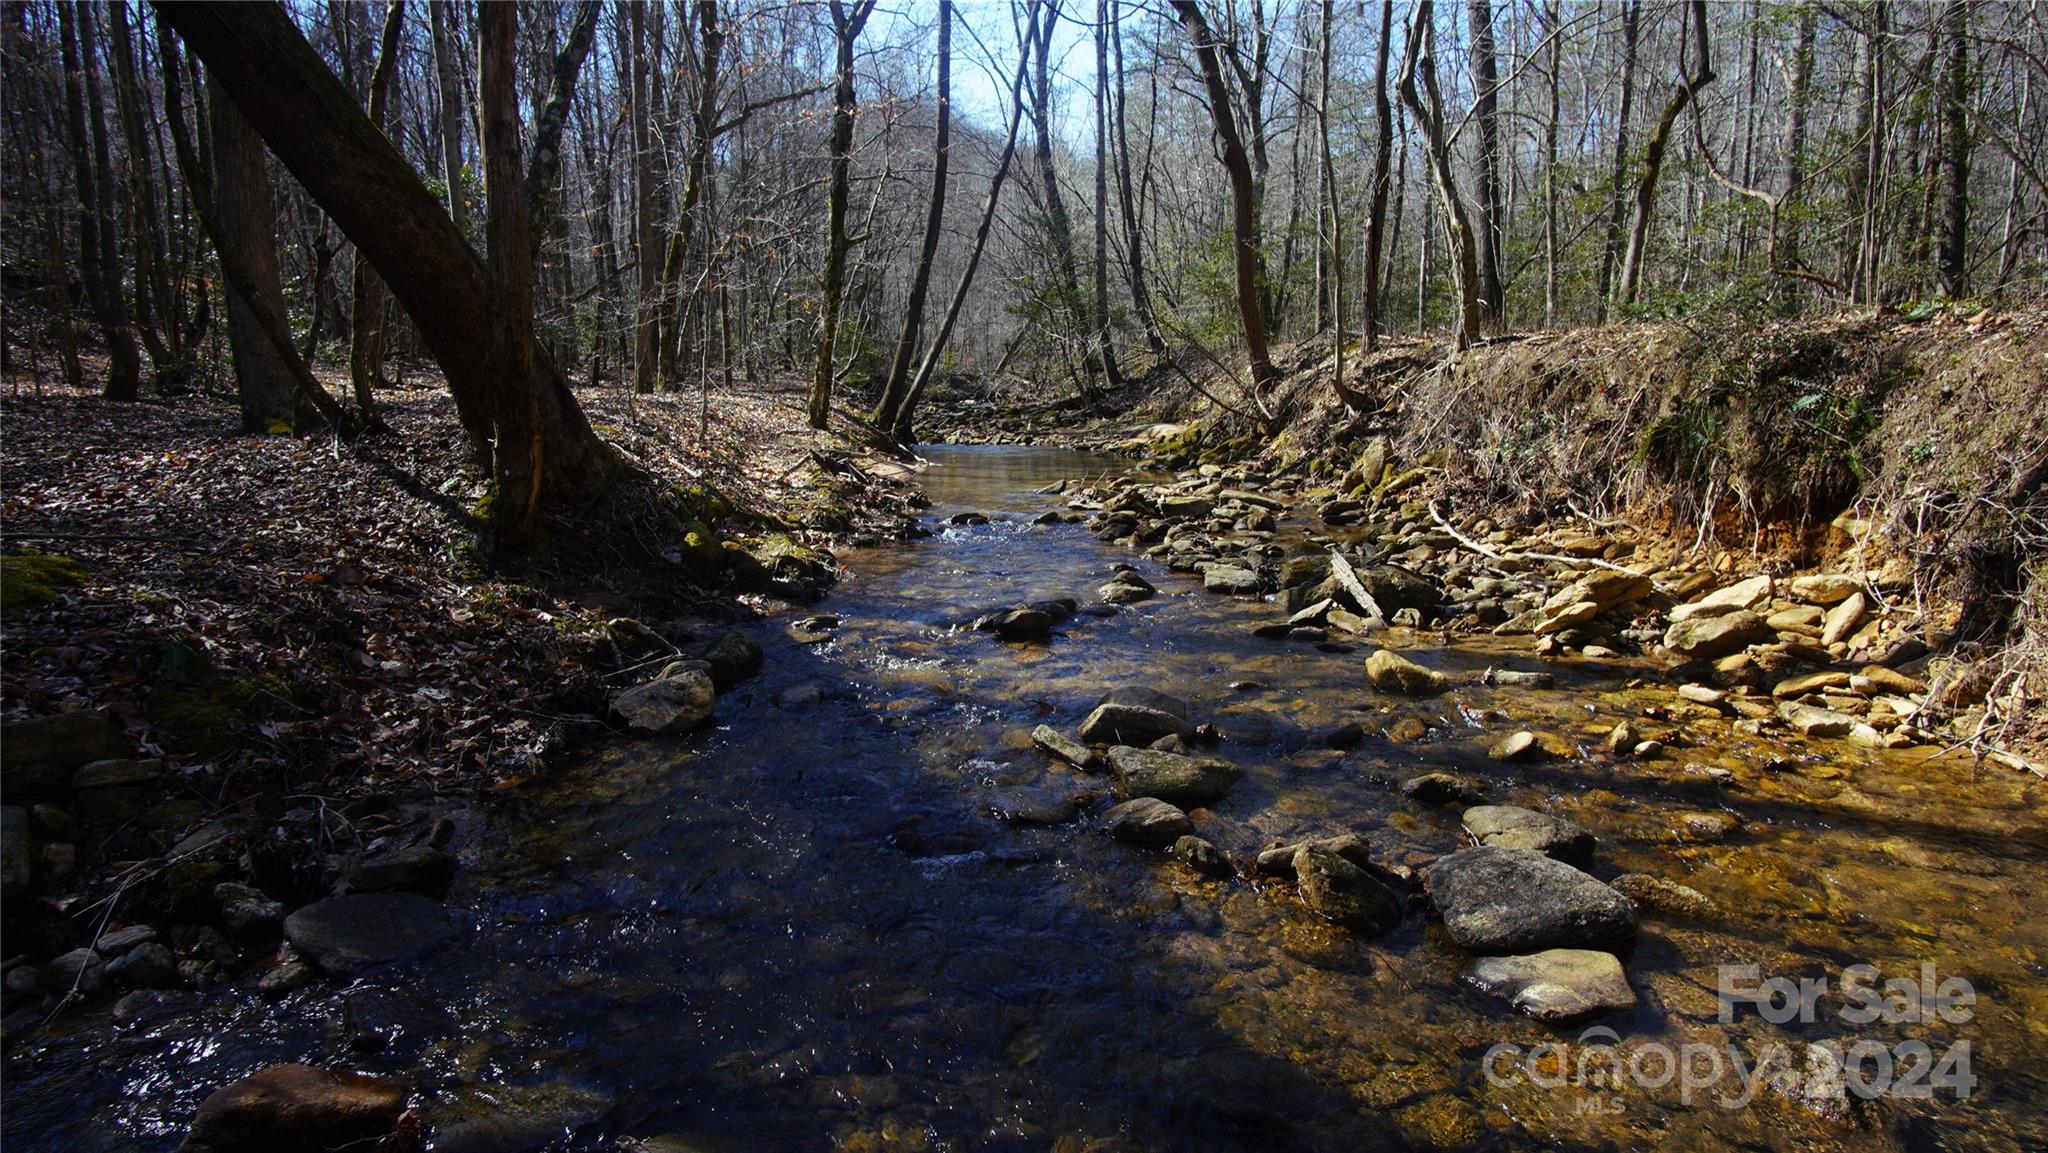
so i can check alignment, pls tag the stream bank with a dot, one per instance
(862, 909)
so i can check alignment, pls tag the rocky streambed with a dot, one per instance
(1210, 811)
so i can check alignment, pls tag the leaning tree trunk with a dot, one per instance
(1244, 221)
(1653, 154)
(897, 386)
(372, 194)
(1127, 197)
(1382, 162)
(1428, 106)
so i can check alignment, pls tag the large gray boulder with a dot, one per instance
(1519, 901)
(1118, 723)
(1710, 637)
(1147, 821)
(1171, 777)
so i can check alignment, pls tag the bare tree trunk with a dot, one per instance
(1071, 311)
(897, 386)
(1653, 153)
(1244, 219)
(366, 310)
(448, 79)
(1489, 228)
(645, 310)
(1105, 351)
(1950, 256)
(846, 28)
(508, 278)
(903, 429)
(1553, 23)
(1127, 197)
(152, 284)
(704, 127)
(1428, 106)
(1335, 241)
(1798, 98)
(244, 208)
(98, 259)
(1382, 163)
(1631, 19)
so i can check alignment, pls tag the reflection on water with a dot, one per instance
(803, 928)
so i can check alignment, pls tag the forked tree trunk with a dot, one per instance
(371, 192)
(897, 386)
(1244, 220)
(1428, 106)
(1653, 152)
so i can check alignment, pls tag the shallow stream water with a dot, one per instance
(806, 927)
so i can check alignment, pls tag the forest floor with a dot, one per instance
(309, 631)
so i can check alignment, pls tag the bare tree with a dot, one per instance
(846, 28)
(1426, 102)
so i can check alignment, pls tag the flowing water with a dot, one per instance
(806, 928)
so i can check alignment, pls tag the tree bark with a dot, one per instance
(1244, 219)
(1631, 18)
(1950, 256)
(1553, 23)
(243, 205)
(371, 192)
(98, 258)
(1105, 350)
(366, 310)
(448, 79)
(1127, 203)
(152, 282)
(1428, 106)
(1653, 152)
(704, 129)
(846, 27)
(1382, 160)
(645, 311)
(1489, 228)
(508, 271)
(896, 387)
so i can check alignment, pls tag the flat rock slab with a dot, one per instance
(1171, 777)
(348, 935)
(1707, 638)
(1058, 744)
(1508, 901)
(1557, 984)
(1514, 827)
(1230, 579)
(1815, 721)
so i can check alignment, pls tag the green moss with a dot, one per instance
(210, 719)
(32, 579)
(279, 428)
(702, 550)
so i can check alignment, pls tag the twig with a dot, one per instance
(1482, 550)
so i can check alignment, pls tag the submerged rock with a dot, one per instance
(1520, 901)
(1019, 624)
(297, 1107)
(1171, 777)
(1656, 895)
(1442, 789)
(1118, 723)
(1557, 985)
(1339, 891)
(345, 936)
(1202, 857)
(1391, 672)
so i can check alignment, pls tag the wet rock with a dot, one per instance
(1706, 826)
(1815, 721)
(1171, 743)
(1342, 736)
(1520, 746)
(66, 740)
(1230, 580)
(1556, 985)
(1442, 789)
(1278, 861)
(1407, 730)
(1148, 822)
(1126, 588)
(1657, 895)
(80, 969)
(1622, 739)
(1519, 901)
(669, 704)
(1514, 827)
(508, 1118)
(1202, 857)
(17, 851)
(1019, 624)
(1708, 637)
(1340, 892)
(1703, 694)
(1058, 744)
(1138, 725)
(1032, 807)
(733, 656)
(297, 1107)
(1171, 777)
(1844, 619)
(1518, 679)
(118, 941)
(1391, 672)
(414, 868)
(148, 964)
(1812, 1077)
(247, 909)
(285, 978)
(348, 935)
